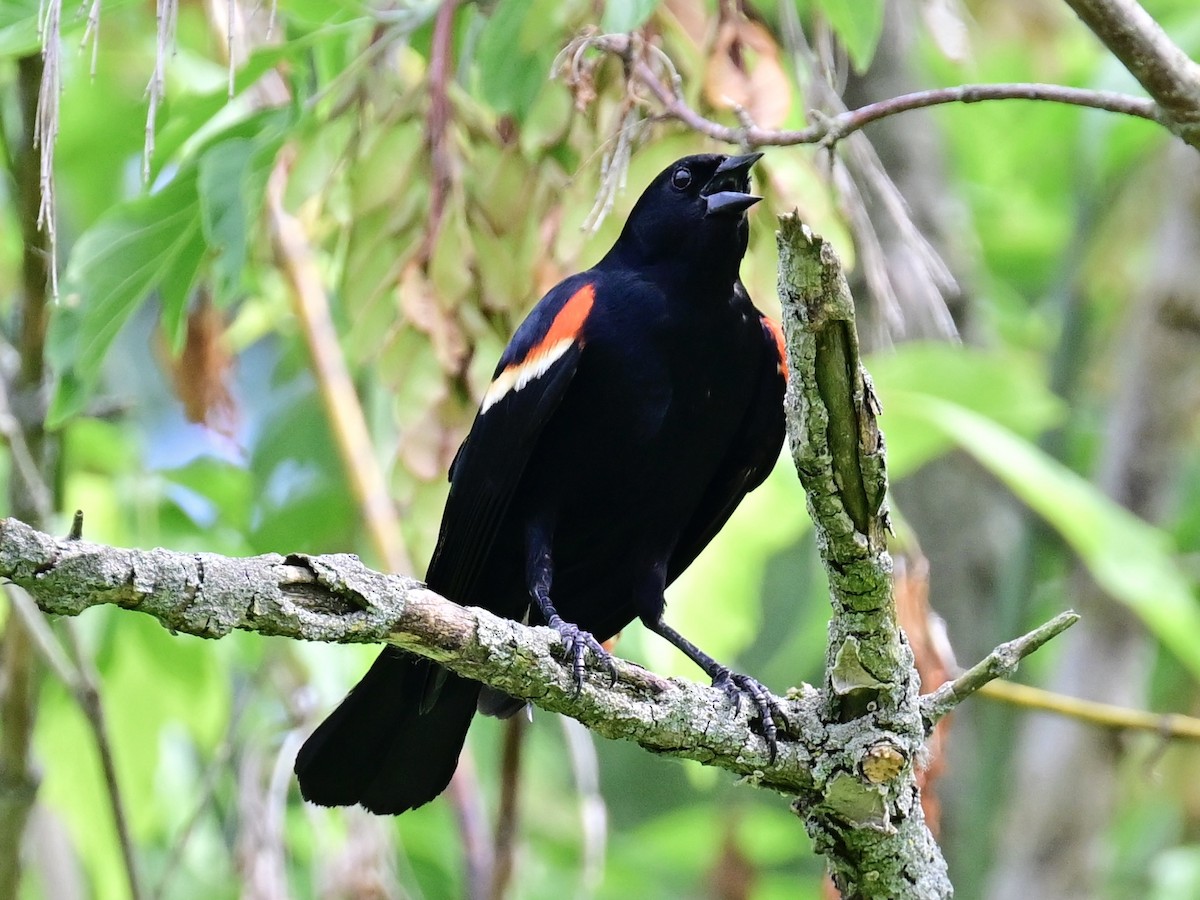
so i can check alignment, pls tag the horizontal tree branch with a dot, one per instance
(335, 598)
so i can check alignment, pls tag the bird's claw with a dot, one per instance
(735, 685)
(576, 644)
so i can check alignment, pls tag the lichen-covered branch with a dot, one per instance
(336, 598)
(862, 805)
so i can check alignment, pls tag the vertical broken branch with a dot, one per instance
(863, 812)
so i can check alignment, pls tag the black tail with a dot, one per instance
(378, 748)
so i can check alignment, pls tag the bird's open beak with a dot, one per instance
(727, 192)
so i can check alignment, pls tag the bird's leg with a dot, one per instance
(732, 683)
(576, 642)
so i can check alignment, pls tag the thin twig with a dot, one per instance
(1000, 663)
(46, 130)
(467, 800)
(230, 23)
(614, 164)
(218, 766)
(43, 639)
(868, 193)
(75, 672)
(36, 489)
(91, 32)
(1107, 101)
(832, 129)
(437, 123)
(1104, 715)
(87, 694)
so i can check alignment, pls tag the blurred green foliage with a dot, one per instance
(203, 732)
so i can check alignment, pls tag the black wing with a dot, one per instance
(528, 385)
(750, 459)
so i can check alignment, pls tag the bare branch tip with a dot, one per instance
(1000, 663)
(76, 532)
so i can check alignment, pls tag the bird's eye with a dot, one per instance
(681, 178)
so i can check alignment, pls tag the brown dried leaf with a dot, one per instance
(733, 875)
(200, 374)
(426, 447)
(419, 304)
(549, 271)
(911, 586)
(693, 19)
(744, 71)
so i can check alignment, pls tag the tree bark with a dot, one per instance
(863, 807)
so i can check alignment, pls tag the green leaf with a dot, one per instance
(514, 57)
(19, 28)
(232, 180)
(223, 211)
(1005, 386)
(225, 487)
(858, 24)
(1131, 560)
(626, 15)
(186, 119)
(299, 488)
(159, 242)
(149, 242)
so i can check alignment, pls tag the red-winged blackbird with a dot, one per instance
(629, 415)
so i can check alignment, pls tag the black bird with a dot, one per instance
(631, 412)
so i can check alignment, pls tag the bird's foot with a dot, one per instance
(576, 644)
(735, 685)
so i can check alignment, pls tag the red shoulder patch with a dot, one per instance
(565, 330)
(569, 321)
(773, 328)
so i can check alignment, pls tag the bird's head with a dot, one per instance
(693, 212)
